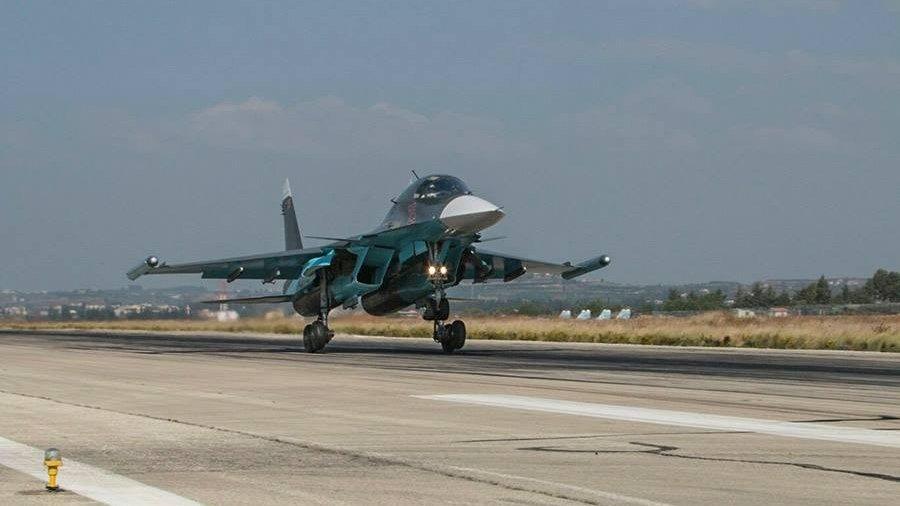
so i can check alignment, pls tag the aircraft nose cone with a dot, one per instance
(468, 213)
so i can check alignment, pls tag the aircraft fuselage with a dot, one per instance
(436, 211)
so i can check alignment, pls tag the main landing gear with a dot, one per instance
(437, 308)
(317, 334)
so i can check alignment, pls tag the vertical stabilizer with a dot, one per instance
(292, 238)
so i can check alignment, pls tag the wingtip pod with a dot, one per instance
(587, 266)
(150, 263)
(286, 189)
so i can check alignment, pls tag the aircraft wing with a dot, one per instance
(509, 267)
(267, 266)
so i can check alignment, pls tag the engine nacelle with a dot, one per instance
(383, 302)
(398, 293)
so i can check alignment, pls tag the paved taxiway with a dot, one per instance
(251, 419)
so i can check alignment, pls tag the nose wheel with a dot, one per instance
(453, 335)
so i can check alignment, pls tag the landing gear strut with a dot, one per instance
(437, 308)
(317, 334)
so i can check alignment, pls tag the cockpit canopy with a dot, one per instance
(435, 189)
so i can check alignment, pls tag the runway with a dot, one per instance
(238, 419)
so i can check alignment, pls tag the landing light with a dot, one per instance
(437, 271)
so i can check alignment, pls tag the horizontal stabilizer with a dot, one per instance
(265, 299)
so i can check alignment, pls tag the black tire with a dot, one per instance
(458, 333)
(456, 337)
(315, 337)
(309, 345)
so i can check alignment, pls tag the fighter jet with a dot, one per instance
(429, 241)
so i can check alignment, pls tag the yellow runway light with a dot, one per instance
(52, 461)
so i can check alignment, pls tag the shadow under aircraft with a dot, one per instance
(429, 241)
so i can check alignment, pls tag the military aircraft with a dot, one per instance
(425, 244)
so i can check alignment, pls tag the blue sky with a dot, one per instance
(692, 140)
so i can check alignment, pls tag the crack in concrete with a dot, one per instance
(514, 439)
(666, 451)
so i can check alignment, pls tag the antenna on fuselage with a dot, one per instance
(416, 176)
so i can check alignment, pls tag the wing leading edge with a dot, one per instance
(509, 267)
(266, 266)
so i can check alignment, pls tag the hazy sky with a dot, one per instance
(692, 141)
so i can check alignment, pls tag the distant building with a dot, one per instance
(585, 314)
(15, 311)
(126, 311)
(565, 314)
(778, 312)
(744, 313)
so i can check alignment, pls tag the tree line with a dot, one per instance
(883, 286)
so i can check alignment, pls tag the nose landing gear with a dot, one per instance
(437, 309)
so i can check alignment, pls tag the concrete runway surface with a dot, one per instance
(226, 419)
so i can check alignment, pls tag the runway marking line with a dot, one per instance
(822, 432)
(86, 480)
